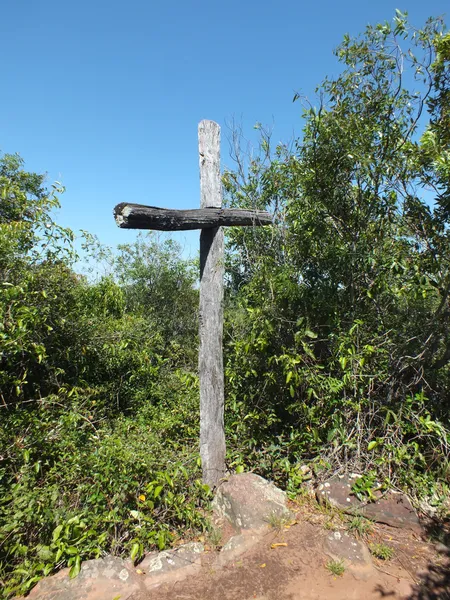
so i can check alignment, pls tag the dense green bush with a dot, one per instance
(76, 485)
(99, 397)
(338, 349)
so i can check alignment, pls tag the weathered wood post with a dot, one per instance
(209, 219)
(210, 362)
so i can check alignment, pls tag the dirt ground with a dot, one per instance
(298, 568)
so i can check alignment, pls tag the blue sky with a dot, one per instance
(106, 96)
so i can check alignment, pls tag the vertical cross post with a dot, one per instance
(208, 218)
(212, 434)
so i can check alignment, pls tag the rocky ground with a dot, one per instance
(266, 548)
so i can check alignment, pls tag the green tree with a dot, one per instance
(31, 244)
(435, 142)
(98, 421)
(345, 340)
(161, 286)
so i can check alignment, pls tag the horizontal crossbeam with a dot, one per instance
(138, 216)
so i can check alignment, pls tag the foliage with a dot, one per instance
(360, 526)
(279, 521)
(73, 490)
(382, 551)
(152, 274)
(338, 346)
(366, 486)
(99, 402)
(336, 567)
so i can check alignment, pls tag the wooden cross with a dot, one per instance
(209, 219)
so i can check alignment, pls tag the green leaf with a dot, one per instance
(57, 532)
(372, 445)
(75, 568)
(158, 490)
(343, 362)
(311, 334)
(134, 551)
(161, 540)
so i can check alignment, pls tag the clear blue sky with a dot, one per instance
(105, 96)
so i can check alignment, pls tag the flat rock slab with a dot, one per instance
(171, 565)
(340, 545)
(236, 546)
(101, 579)
(393, 509)
(248, 501)
(112, 578)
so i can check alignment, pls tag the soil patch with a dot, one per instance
(292, 563)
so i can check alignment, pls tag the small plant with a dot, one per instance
(326, 509)
(364, 487)
(336, 567)
(360, 526)
(382, 551)
(215, 537)
(331, 513)
(277, 521)
(329, 524)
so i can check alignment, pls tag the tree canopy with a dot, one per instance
(345, 342)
